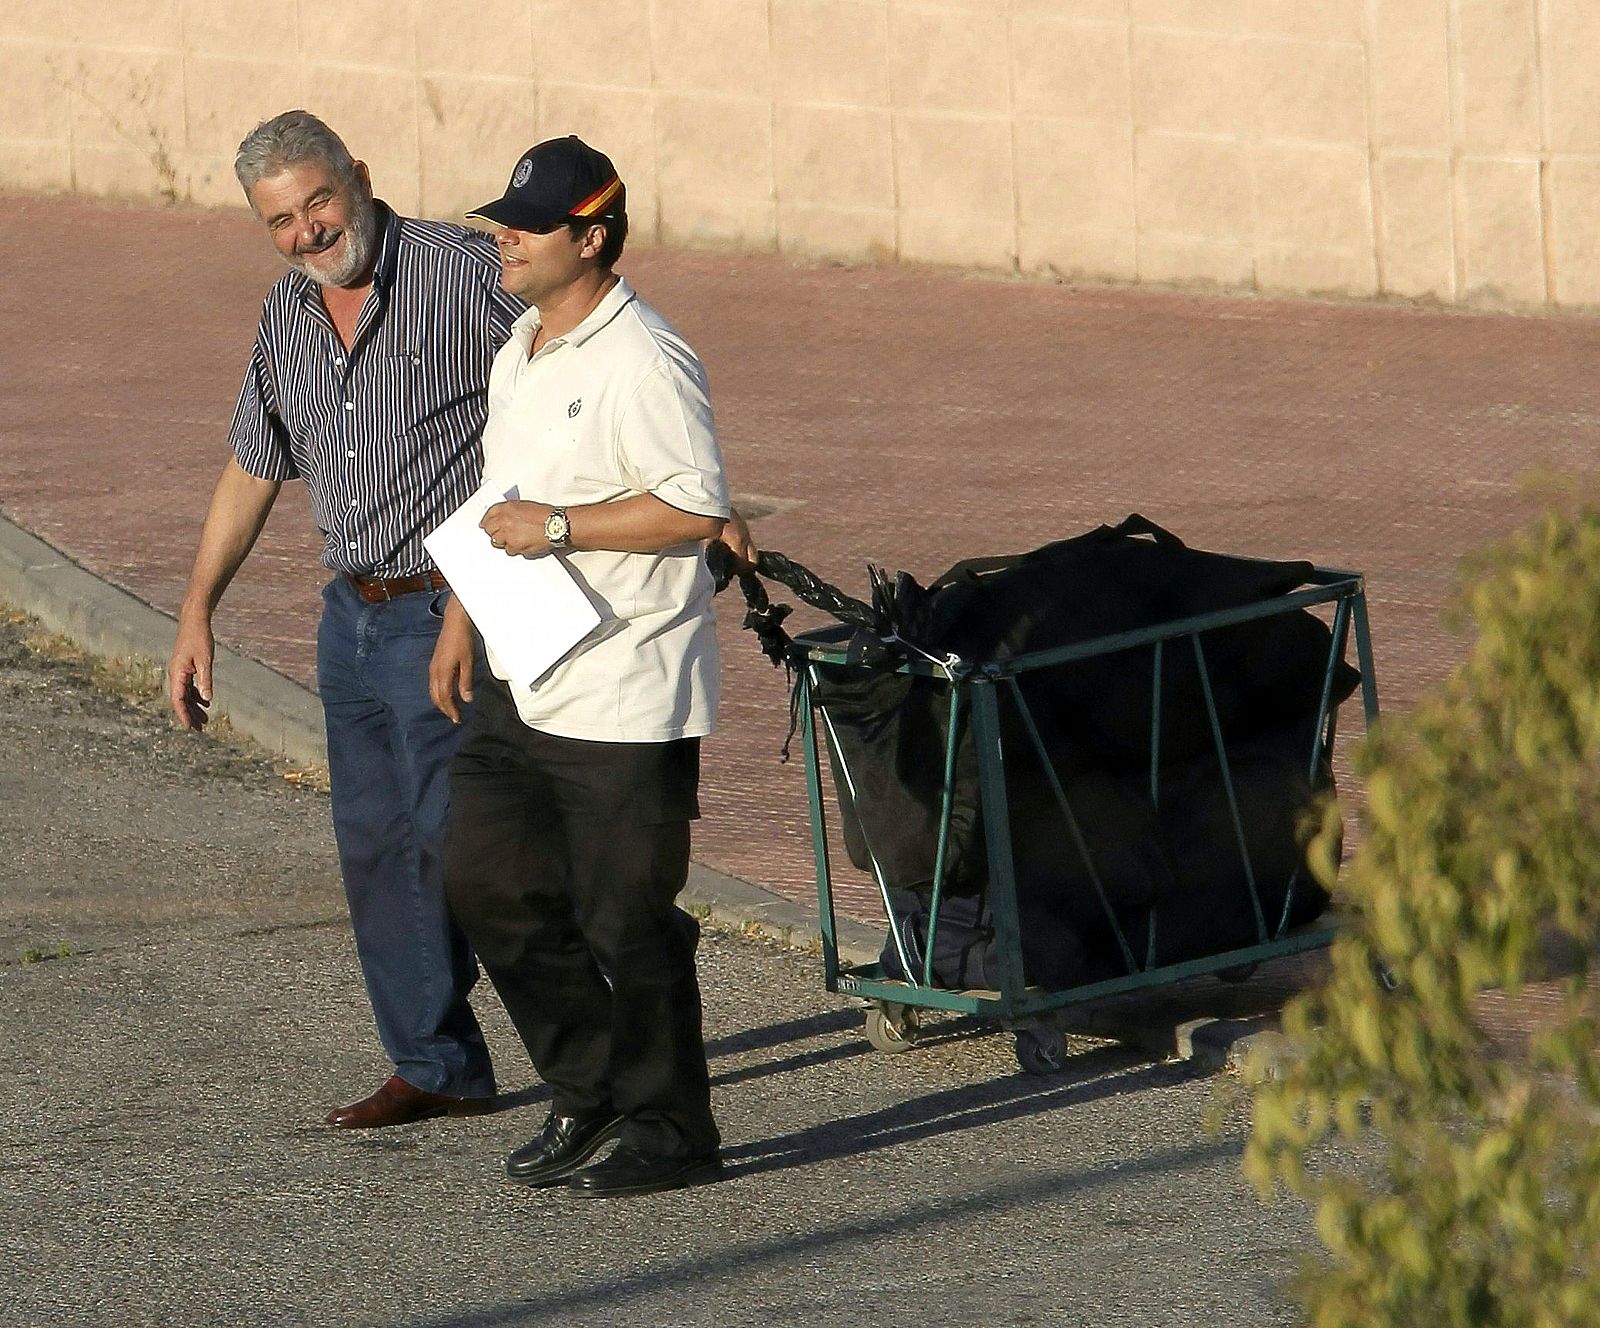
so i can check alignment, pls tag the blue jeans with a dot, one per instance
(389, 754)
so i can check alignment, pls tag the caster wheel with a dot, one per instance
(1239, 974)
(891, 1028)
(1041, 1050)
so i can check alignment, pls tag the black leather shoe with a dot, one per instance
(629, 1171)
(563, 1145)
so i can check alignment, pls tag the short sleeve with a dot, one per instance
(667, 441)
(257, 435)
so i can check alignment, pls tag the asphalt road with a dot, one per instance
(179, 1005)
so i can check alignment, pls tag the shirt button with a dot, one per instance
(351, 452)
(352, 544)
(352, 502)
(349, 405)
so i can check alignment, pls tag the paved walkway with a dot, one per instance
(905, 417)
(199, 1006)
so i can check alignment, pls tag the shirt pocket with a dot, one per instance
(397, 365)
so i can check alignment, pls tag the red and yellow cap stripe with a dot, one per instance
(597, 202)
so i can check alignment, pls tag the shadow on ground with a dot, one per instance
(907, 1222)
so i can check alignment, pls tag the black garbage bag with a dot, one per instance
(1209, 909)
(886, 739)
(1171, 875)
(886, 732)
(1120, 579)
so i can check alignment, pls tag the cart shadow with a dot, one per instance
(943, 1030)
(804, 1060)
(776, 1035)
(734, 1044)
(1091, 1077)
(951, 1029)
(798, 1030)
(833, 1022)
(906, 1221)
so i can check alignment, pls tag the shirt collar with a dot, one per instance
(388, 245)
(611, 304)
(609, 307)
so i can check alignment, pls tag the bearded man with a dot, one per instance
(369, 382)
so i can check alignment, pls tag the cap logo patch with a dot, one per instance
(574, 408)
(523, 173)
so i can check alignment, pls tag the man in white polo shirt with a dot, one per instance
(571, 797)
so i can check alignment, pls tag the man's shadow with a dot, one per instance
(1093, 1076)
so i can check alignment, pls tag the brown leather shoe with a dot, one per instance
(400, 1103)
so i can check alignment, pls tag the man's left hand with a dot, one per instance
(450, 670)
(517, 527)
(736, 535)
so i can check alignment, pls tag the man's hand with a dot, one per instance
(517, 527)
(736, 535)
(189, 671)
(239, 507)
(450, 670)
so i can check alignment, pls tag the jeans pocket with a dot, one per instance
(436, 605)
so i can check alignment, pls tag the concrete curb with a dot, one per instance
(273, 710)
(1254, 1049)
(286, 718)
(1251, 1048)
(743, 904)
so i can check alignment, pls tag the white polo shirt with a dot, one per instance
(615, 408)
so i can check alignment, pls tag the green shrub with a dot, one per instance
(1482, 848)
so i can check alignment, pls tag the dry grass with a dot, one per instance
(142, 683)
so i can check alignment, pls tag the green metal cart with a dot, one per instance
(979, 691)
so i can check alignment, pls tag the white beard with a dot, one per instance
(360, 238)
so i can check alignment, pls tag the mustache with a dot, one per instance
(327, 241)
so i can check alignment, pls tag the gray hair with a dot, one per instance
(287, 140)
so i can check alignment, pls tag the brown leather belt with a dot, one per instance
(377, 589)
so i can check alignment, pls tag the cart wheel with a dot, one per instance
(891, 1027)
(1041, 1050)
(1237, 974)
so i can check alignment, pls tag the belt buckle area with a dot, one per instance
(372, 589)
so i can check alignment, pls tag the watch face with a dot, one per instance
(555, 527)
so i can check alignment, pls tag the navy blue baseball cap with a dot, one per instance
(558, 180)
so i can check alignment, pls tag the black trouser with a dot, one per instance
(562, 864)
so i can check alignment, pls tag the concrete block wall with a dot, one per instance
(1445, 149)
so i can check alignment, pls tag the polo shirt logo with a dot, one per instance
(574, 408)
(523, 173)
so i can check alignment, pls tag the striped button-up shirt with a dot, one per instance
(385, 435)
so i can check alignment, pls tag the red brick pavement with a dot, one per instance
(903, 416)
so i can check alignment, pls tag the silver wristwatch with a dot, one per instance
(557, 529)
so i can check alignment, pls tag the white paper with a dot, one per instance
(530, 611)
